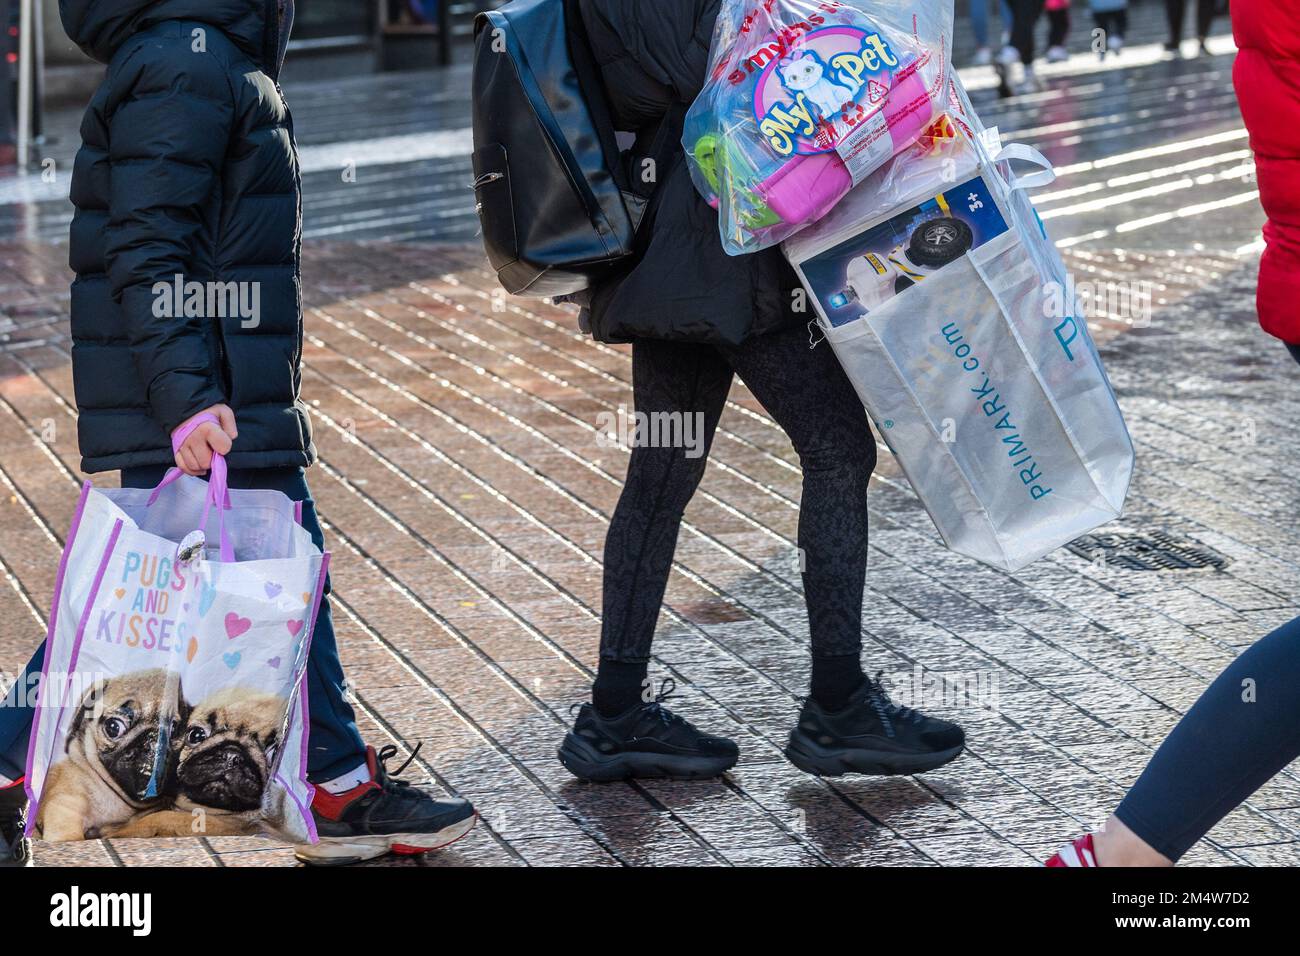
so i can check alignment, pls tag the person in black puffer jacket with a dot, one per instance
(696, 317)
(188, 174)
(187, 168)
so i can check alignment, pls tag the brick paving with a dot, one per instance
(465, 499)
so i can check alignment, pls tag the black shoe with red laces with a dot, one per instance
(382, 816)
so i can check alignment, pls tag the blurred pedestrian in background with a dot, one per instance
(1205, 11)
(1058, 30)
(1024, 18)
(1111, 18)
(979, 25)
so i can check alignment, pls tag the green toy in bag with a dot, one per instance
(719, 165)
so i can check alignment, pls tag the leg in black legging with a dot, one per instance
(807, 393)
(1242, 731)
(667, 377)
(809, 396)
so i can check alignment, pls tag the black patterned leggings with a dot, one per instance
(807, 393)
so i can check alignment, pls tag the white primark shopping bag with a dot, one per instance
(172, 700)
(951, 312)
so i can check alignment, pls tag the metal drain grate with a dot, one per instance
(1149, 551)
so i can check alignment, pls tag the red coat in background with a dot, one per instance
(1267, 78)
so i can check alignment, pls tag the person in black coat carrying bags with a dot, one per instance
(696, 317)
(188, 174)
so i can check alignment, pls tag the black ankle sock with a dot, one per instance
(618, 687)
(834, 679)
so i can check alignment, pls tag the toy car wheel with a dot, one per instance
(939, 241)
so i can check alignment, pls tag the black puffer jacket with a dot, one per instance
(187, 168)
(653, 55)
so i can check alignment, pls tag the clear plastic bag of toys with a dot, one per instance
(805, 99)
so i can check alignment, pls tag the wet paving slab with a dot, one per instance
(466, 514)
(465, 499)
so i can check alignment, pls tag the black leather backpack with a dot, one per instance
(558, 204)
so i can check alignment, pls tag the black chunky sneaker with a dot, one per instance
(15, 849)
(647, 741)
(382, 816)
(871, 735)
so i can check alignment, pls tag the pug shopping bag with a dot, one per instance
(172, 700)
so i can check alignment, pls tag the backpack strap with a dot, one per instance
(593, 89)
(667, 141)
(624, 166)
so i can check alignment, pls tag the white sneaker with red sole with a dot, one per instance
(383, 816)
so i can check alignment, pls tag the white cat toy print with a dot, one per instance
(804, 72)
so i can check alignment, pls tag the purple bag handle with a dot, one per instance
(218, 487)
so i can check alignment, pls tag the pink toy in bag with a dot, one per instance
(805, 99)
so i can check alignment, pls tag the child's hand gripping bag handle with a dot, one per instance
(218, 487)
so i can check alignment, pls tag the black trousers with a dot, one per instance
(1112, 22)
(1024, 18)
(1058, 23)
(807, 393)
(1175, 10)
